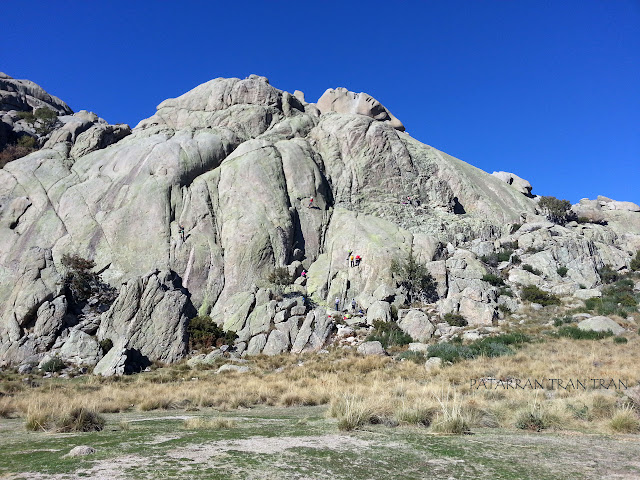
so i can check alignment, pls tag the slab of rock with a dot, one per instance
(81, 450)
(277, 343)
(371, 348)
(379, 311)
(150, 315)
(600, 324)
(433, 363)
(256, 344)
(228, 367)
(587, 293)
(81, 349)
(418, 347)
(416, 323)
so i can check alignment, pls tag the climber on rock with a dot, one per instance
(181, 232)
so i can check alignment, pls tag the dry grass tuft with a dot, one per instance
(202, 423)
(625, 420)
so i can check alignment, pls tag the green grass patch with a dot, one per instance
(575, 333)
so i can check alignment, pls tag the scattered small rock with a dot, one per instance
(81, 450)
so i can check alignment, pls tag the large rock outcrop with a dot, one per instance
(234, 163)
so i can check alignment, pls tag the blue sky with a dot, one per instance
(548, 90)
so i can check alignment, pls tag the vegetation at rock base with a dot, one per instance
(54, 365)
(608, 274)
(204, 333)
(455, 320)
(532, 293)
(556, 211)
(575, 333)
(415, 278)
(496, 346)
(502, 255)
(635, 262)
(23, 147)
(280, 276)
(618, 298)
(388, 334)
(492, 279)
(528, 268)
(562, 271)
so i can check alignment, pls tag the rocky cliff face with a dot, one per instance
(235, 163)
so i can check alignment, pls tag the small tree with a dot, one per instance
(415, 278)
(43, 120)
(635, 262)
(556, 211)
(82, 283)
(280, 278)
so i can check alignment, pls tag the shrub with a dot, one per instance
(570, 331)
(492, 279)
(496, 258)
(620, 340)
(416, 279)
(280, 276)
(515, 227)
(455, 320)
(81, 283)
(625, 420)
(530, 420)
(617, 299)
(608, 274)
(53, 365)
(534, 294)
(635, 262)
(489, 347)
(556, 211)
(562, 271)
(204, 333)
(506, 291)
(43, 120)
(449, 352)
(515, 259)
(557, 322)
(12, 152)
(80, 420)
(504, 309)
(388, 334)
(530, 269)
(415, 357)
(106, 345)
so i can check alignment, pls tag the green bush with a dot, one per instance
(280, 276)
(562, 271)
(556, 211)
(53, 365)
(492, 279)
(494, 259)
(506, 291)
(635, 262)
(489, 347)
(608, 274)
(617, 299)
(416, 278)
(557, 322)
(388, 334)
(81, 283)
(27, 141)
(106, 345)
(515, 259)
(204, 333)
(455, 320)
(416, 357)
(575, 333)
(530, 269)
(532, 293)
(504, 309)
(620, 340)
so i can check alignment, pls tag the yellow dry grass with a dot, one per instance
(375, 389)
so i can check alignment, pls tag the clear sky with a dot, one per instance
(548, 90)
